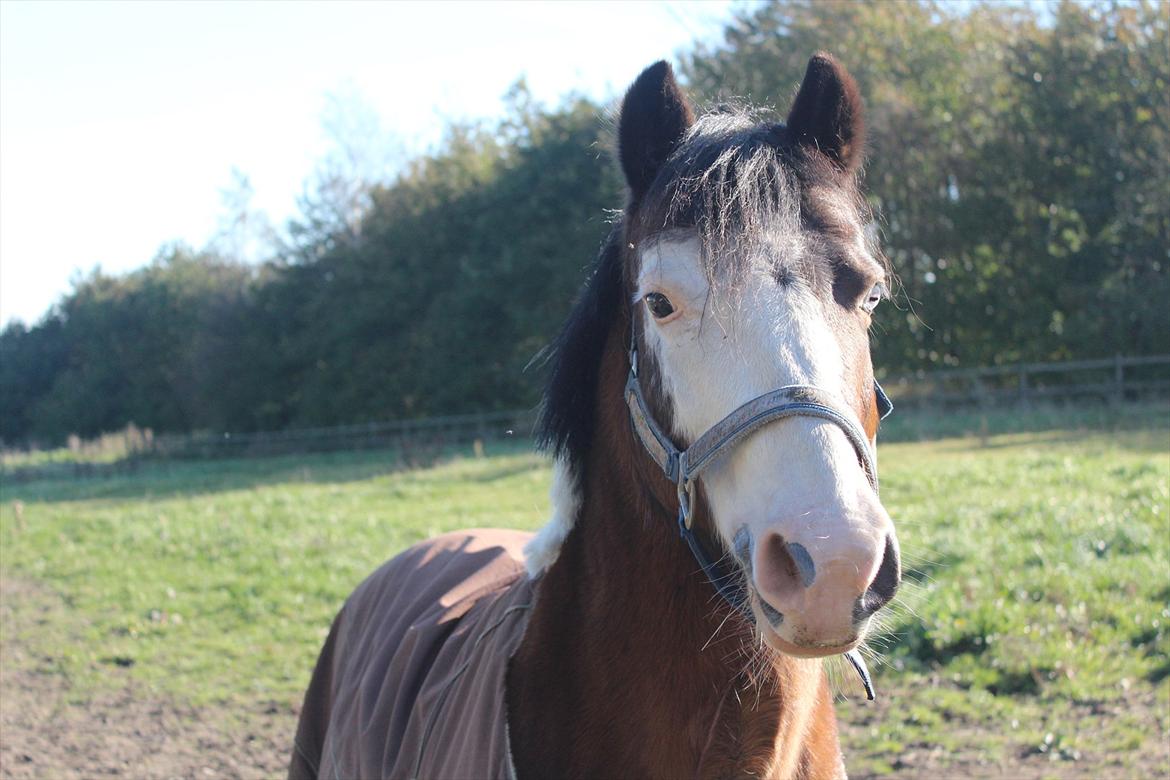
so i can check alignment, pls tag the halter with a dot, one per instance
(683, 467)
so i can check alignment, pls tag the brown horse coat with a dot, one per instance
(410, 682)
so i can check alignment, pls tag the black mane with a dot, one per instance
(566, 423)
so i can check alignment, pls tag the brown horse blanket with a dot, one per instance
(410, 682)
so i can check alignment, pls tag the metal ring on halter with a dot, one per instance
(686, 489)
(686, 492)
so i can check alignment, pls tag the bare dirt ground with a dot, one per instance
(49, 730)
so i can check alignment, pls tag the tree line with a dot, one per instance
(1018, 162)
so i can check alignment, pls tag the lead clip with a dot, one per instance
(858, 663)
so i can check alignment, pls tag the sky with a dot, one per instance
(121, 123)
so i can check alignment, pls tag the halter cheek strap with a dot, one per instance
(683, 467)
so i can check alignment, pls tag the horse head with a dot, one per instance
(748, 268)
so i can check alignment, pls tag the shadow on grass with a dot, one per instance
(1049, 423)
(913, 642)
(1016, 683)
(922, 571)
(509, 470)
(180, 478)
(1160, 673)
(146, 478)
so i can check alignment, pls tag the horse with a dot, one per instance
(716, 529)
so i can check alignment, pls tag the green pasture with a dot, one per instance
(1033, 621)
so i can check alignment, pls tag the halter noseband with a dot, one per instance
(683, 467)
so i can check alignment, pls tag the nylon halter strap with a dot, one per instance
(683, 467)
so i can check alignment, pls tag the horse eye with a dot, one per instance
(874, 298)
(659, 305)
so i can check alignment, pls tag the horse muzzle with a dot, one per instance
(815, 597)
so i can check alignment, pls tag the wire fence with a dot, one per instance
(1111, 380)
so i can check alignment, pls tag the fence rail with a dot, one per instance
(1110, 380)
(453, 429)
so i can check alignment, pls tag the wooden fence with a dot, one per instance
(412, 436)
(1111, 380)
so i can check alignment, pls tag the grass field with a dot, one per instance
(1031, 638)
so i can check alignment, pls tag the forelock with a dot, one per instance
(737, 181)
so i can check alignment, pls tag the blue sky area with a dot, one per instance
(121, 123)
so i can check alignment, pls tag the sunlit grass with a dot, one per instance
(217, 580)
(1033, 617)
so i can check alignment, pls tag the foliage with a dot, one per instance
(153, 346)
(464, 268)
(1020, 163)
(1033, 617)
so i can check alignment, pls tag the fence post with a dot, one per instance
(1118, 378)
(983, 401)
(1023, 385)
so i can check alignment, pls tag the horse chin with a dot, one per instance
(807, 649)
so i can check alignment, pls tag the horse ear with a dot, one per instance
(655, 117)
(827, 113)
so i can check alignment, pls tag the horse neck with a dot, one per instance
(631, 660)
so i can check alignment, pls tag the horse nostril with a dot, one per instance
(885, 584)
(791, 568)
(803, 563)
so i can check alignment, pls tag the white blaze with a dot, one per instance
(729, 344)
